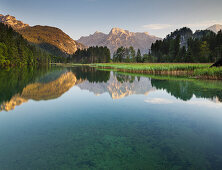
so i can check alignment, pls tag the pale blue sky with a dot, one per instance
(84, 17)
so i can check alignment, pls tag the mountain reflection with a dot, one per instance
(119, 86)
(17, 86)
(42, 91)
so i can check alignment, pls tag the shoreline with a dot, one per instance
(189, 70)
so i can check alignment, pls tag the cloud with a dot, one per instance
(157, 26)
(206, 103)
(159, 101)
(197, 102)
(199, 25)
(204, 24)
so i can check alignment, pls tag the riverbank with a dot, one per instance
(190, 70)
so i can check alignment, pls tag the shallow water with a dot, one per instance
(82, 118)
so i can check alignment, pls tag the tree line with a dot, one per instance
(91, 55)
(16, 51)
(129, 55)
(184, 46)
(91, 74)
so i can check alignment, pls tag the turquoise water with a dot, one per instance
(82, 118)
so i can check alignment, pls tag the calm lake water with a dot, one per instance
(83, 118)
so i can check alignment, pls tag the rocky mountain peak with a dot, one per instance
(51, 39)
(98, 32)
(118, 37)
(55, 38)
(116, 31)
(11, 21)
(9, 17)
(215, 28)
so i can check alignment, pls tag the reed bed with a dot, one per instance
(155, 66)
(193, 70)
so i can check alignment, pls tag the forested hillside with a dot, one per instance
(51, 39)
(184, 46)
(16, 51)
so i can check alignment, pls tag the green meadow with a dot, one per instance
(192, 70)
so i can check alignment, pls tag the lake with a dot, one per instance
(83, 118)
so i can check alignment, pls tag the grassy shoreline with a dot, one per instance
(190, 70)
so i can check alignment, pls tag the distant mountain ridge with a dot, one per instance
(118, 37)
(51, 39)
(215, 28)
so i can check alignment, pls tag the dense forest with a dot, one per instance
(16, 51)
(91, 55)
(185, 46)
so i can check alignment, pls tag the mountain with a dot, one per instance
(10, 20)
(215, 28)
(203, 33)
(118, 37)
(184, 34)
(49, 38)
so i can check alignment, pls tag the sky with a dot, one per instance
(83, 17)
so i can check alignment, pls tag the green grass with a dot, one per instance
(190, 70)
(154, 66)
(70, 64)
(194, 70)
(211, 84)
(213, 72)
